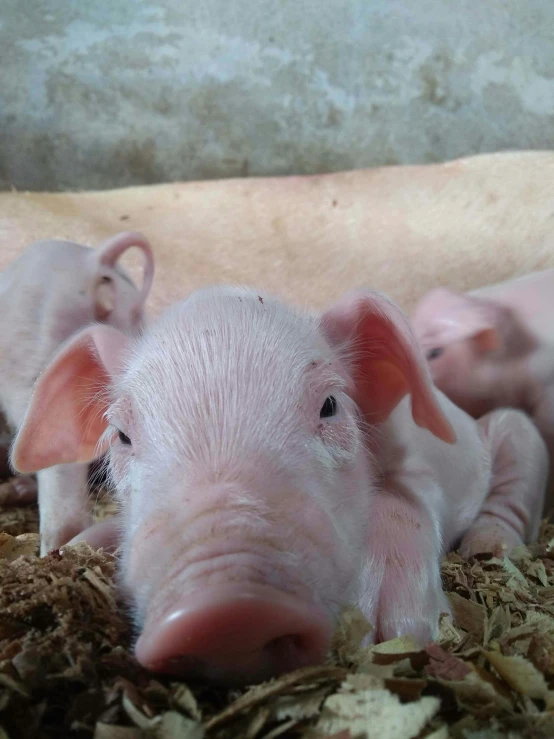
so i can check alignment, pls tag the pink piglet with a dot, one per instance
(51, 291)
(272, 466)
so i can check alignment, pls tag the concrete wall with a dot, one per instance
(100, 93)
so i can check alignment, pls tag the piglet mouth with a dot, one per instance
(235, 634)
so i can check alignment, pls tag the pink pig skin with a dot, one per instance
(51, 291)
(273, 466)
(494, 348)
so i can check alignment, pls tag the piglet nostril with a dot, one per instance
(288, 652)
(235, 635)
(285, 644)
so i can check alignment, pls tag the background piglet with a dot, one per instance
(273, 466)
(494, 348)
(51, 291)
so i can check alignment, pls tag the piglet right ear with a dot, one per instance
(448, 316)
(65, 418)
(385, 360)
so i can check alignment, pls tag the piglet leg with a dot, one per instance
(63, 504)
(403, 591)
(102, 535)
(543, 416)
(511, 514)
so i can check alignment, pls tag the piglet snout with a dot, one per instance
(235, 634)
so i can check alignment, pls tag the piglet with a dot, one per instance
(273, 466)
(494, 348)
(51, 291)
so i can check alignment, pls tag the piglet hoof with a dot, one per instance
(423, 629)
(491, 536)
(52, 539)
(18, 491)
(103, 535)
(418, 618)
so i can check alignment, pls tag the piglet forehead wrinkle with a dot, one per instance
(224, 528)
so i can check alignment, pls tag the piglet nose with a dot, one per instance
(235, 635)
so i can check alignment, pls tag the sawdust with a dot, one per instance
(15, 520)
(67, 670)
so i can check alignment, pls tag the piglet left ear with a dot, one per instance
(65, 422)
(385, 360)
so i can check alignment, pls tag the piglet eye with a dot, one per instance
(123, 438)
(434, 353)
(329, 408)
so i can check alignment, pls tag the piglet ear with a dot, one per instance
(65, 418)
(385, 359)
(487, 340)
(448, 316)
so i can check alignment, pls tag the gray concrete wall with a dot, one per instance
(101, 93)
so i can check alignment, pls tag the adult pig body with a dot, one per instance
(272, 469)
(53, 289)
(402, 229)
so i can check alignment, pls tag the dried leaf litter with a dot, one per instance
(66, 668)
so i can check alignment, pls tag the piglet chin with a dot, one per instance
(235, 634)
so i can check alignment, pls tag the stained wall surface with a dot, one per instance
(106, 93)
